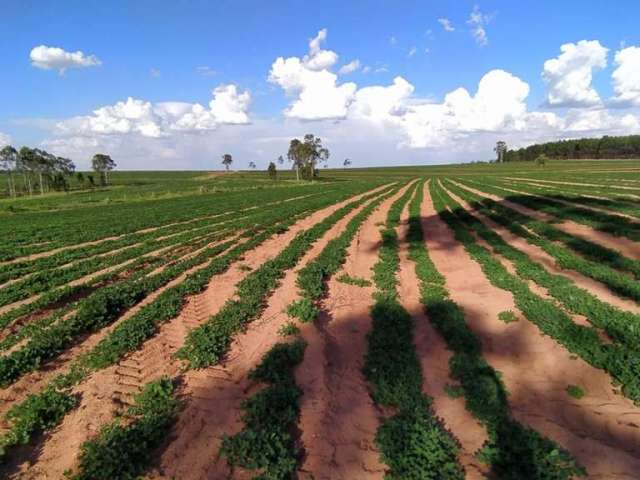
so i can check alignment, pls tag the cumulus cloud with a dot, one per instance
(135, 116)
(569, 75)
(626, 77)
(54, 58)
(319, 59)
(478, 21)
(350, 67)
(317, 94)
(446, 24)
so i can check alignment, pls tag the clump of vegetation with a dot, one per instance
(507, 316)
(123, 448)
(454, 391)
(575, 392)
(287, 329)
(304, 310)
(265, 443)
(357, 281)
(542, 160)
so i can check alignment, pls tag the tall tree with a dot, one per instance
(271, 171)
(501, 150)
(103, 164)
(306, 154)
(294, 156)
(252, 165)
(227, 160)
(280, 160)
(346, 163)
(9, 163)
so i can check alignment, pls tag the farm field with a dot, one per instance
(446, 322)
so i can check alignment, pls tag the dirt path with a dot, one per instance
(434, 358)
(600, 430)
(625, 246)
(537, 254)
(105, 391)
(338, 419)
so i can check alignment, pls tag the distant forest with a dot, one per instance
(583, 148)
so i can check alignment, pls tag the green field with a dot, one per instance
(127, 301)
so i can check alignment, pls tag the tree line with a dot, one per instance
(33, 170)
(583, 148)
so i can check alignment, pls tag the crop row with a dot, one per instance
(206, 344)
(413, 442)
(513, 450)
(46, 280)
(66, 256)
(311, 279)
(620, 361)
(24, 233)
(146, 264)
(266, 442)
(619, 283)
(612, 224)
(588, 197)
(620, 325)
(30, 418)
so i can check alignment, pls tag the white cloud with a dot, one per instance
(446, 24)
(206, 71)
(155, 73)
(4, 139)
(393, 40)
(53, 58)
(366, 69)
(350, 67)
(412, 51)
(147, 119)
(626, 77)
(373, 125)
(318, 95)
(478, 21)
(319, 59)
(569, 75)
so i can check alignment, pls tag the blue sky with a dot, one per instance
(158, 52)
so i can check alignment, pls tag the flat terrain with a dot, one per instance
(472, 321)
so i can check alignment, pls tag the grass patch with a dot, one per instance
(357, 281)
(507, 316)
(287, 329)
(575, 392)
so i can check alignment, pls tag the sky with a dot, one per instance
(172, 85)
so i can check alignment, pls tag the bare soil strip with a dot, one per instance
(625, 246)
(434, 358)
(338, 418)
(537, 254)
(600, 430)
(104, 393)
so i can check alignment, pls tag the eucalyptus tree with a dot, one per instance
(102, 164)
(227, 160)
(9, 163)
